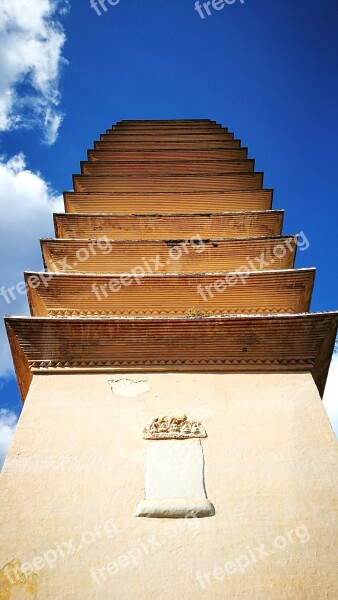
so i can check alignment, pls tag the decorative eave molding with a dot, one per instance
(288, 343)
(48, 365)
(163, 313)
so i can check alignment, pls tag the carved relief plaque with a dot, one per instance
(174, 486)
(174, 428)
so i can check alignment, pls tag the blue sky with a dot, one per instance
(267, 70)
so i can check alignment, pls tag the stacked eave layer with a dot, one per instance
(155, 227)
(169, 257)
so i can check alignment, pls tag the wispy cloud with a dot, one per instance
(8, 421)
(31, 43)
(31, 218)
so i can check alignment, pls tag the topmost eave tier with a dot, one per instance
(166, 127)
(165, 122)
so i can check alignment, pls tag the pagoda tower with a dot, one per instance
(173, 441)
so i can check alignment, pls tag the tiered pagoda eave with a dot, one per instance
(232, 302)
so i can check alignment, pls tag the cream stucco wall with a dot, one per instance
(76, 471)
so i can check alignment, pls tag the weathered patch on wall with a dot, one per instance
(128, 387)
(14, 583)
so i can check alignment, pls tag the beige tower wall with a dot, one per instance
(76, 471)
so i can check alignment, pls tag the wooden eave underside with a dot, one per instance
(288, 343)
(215, 255)
(173, 137)
(265, 292)
(184, 226)
(173, 155)
(125, 144)
(168, 183)
(169, 167)
(165, 128)
(164, 122)
(170, 202)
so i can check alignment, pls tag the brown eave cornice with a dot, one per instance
(168, 202)
(263, 344)
(155, 226)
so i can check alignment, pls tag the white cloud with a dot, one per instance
(331, 394)
(8, 422)
(31, 42)
(26, 207)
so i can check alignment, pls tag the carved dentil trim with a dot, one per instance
(141, 313)
(129, 363)
(173, 428)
